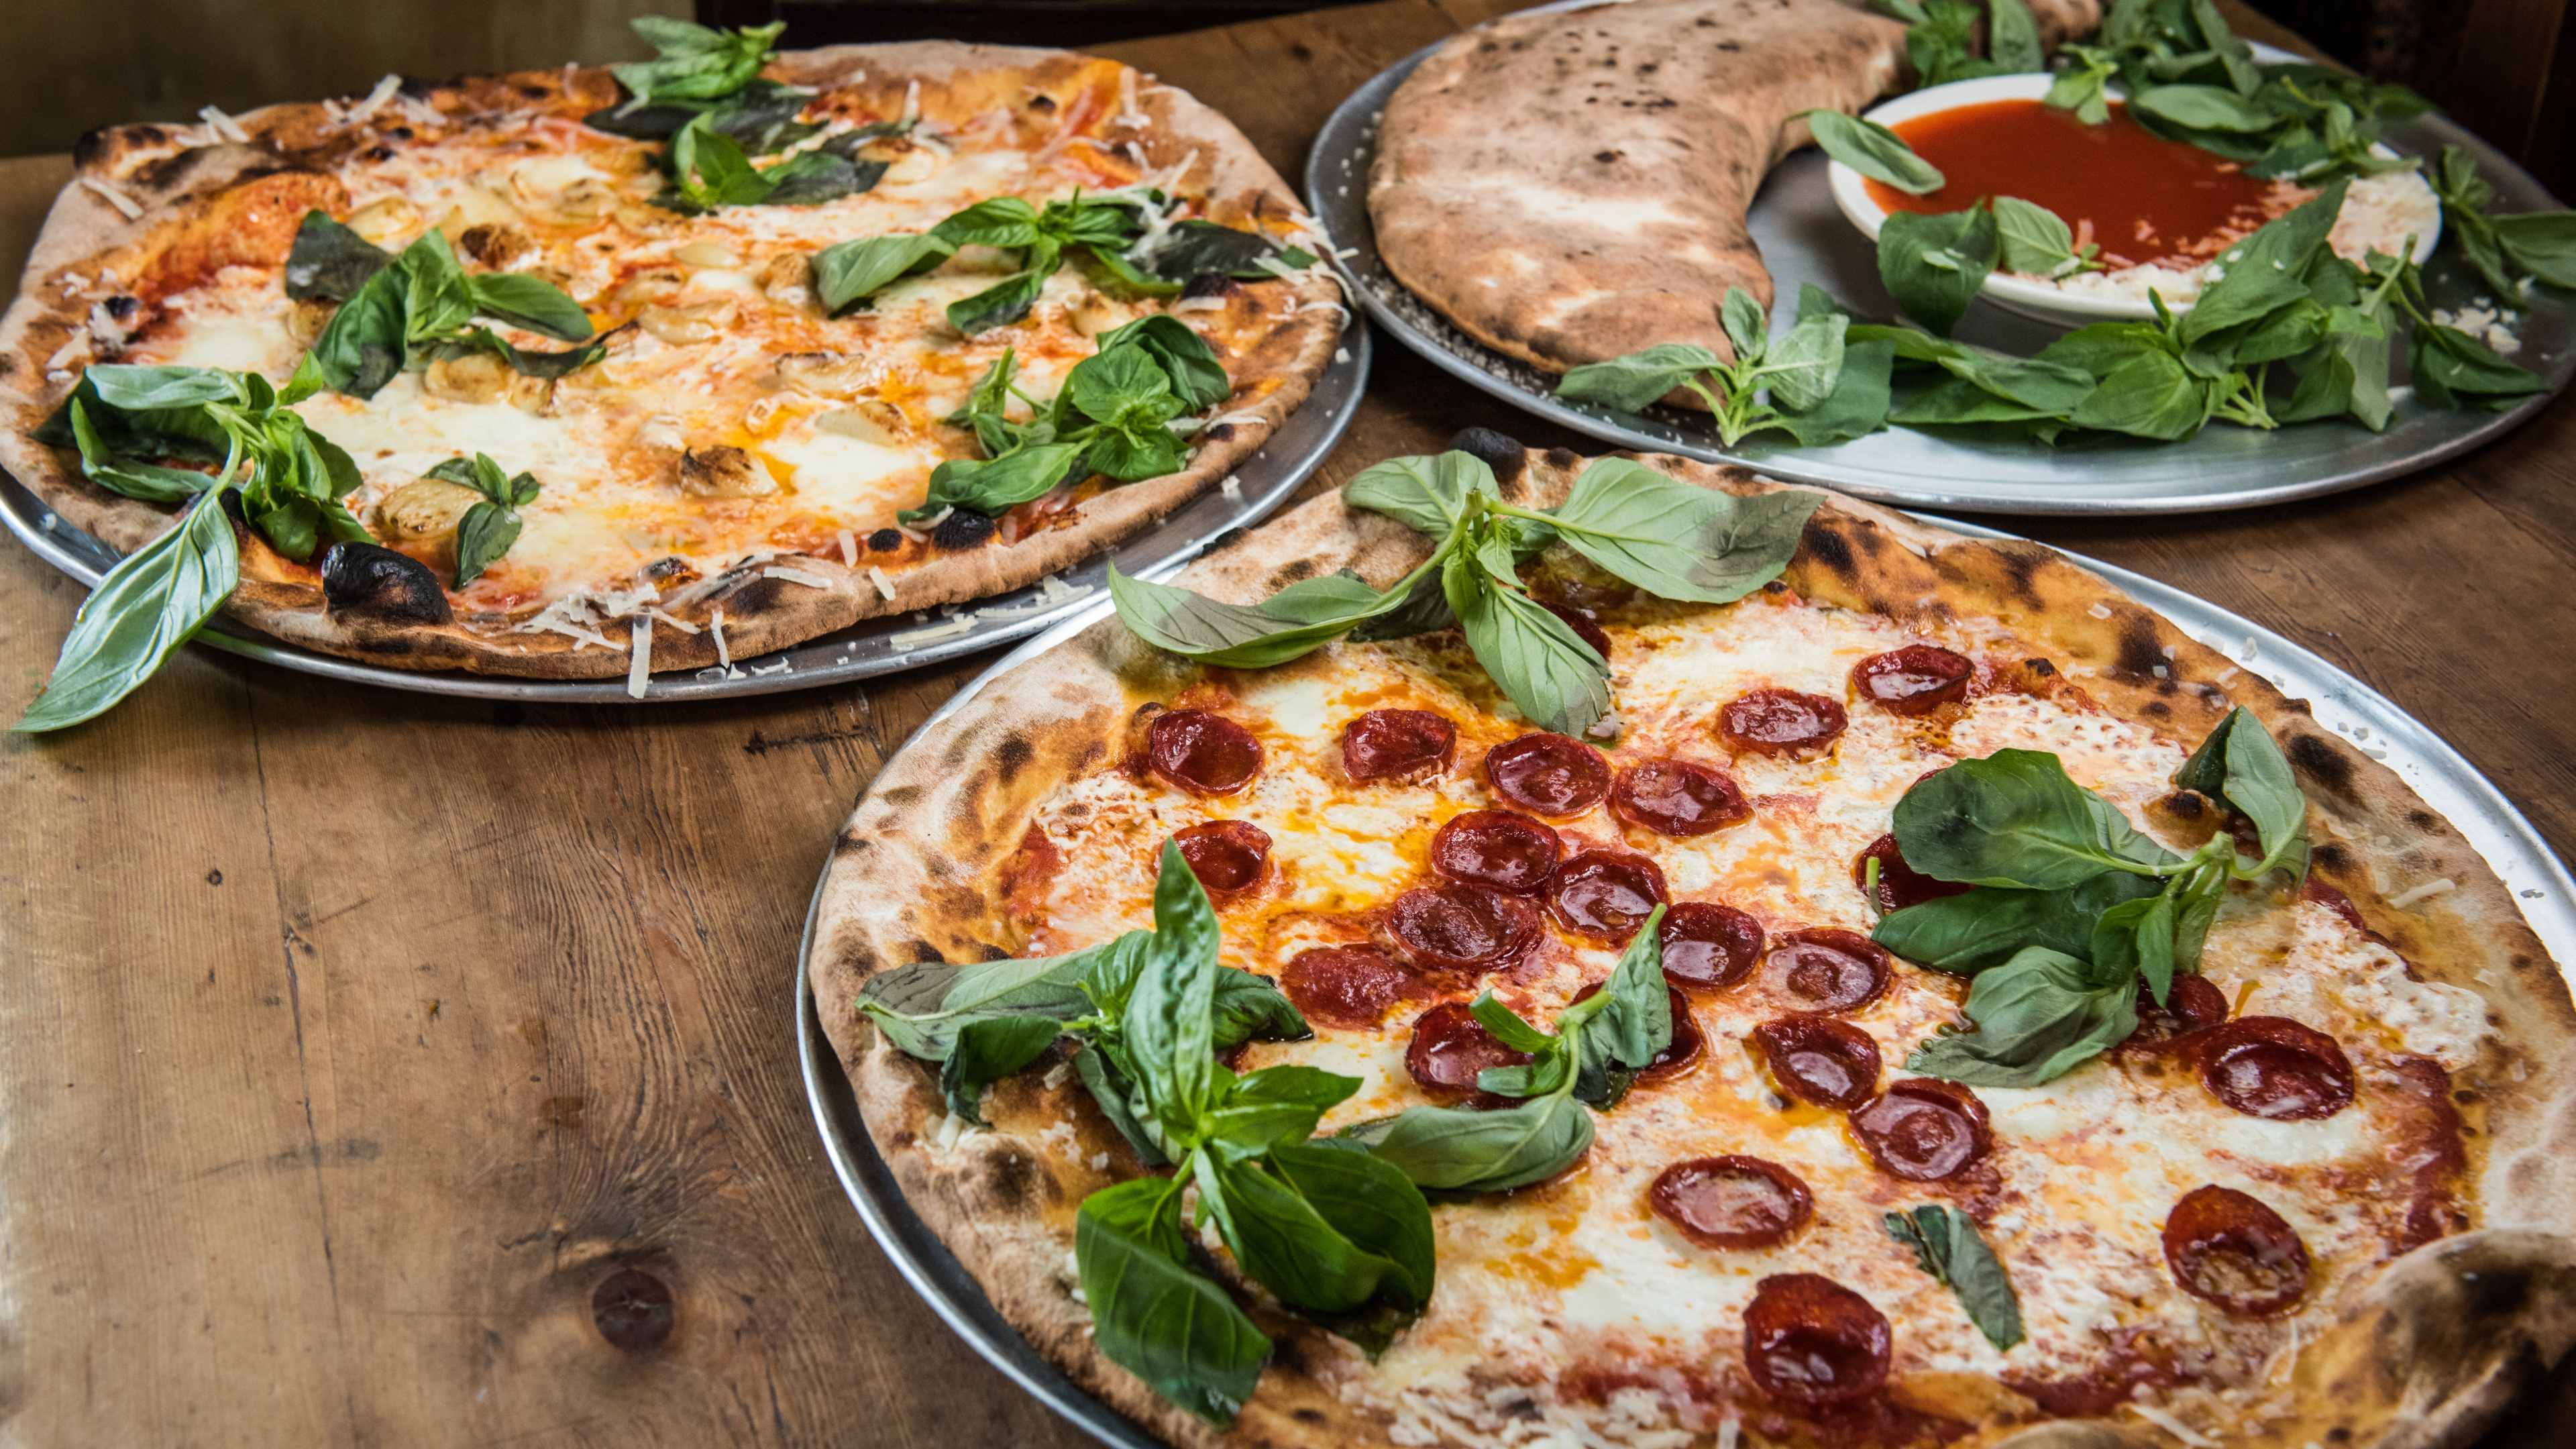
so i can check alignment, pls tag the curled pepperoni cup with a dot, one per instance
(1678, 798)
(1916, 679)
(1585, 627)
(1605, 893)
(1228, 856)
(1819, 1060)
(1682, 1052)
(1780, 721)
(1707, 945)
(1348, 986)
(2232, 1250)
(1810, 1340)
(1462, 927)
(1826, 968)
(1203, 753)
(2273, 1067)
(1731, 1202)
(1449, 1047)
(1924, 1130)
(1496, 848)
(1395, 744)
(1548, 774)
(2192, 1004)
(1899, 885)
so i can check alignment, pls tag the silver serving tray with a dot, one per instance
(862, 651)
(1805, 239)
(2446, 781)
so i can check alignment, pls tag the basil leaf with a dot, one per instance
(2265, 271)
(362, 347)
(530, 362)
(1677, 540)
(1802, 369)
(2202, 108)
(1115, 1095)
(1151, 1315)
(2542, 243)
(148, 481)
(530, 302)
(2241, 767)
(697, 63)
(1426, 494)
(1000, 484)
(1965, 934)
(1454, 1150)
(1858, 404)
(152, 602)
(2083, 85)
(1113, 380)
(130, 388)
(811, 178)
(1747, 330)
(2453, 369)
(1425, 610)
(1196, 377)
(330, 261)
(1534, 657)
(1947, 1245)
(436, 299)
(2149, 396)
(1638, 380)
(1637, 1025)
(1872, 150)
(1282, 1243)
(2034, 240)
(762, 116)
(483, 535)
(1250, 1007)
(999, 305)
(920, 1008)
(1289, 624)
(1934, 264)
(849, 272)
(2012, 36)
(2013, 818)
(2137, 938)
(1000, 221)
(2234, 55)
(988, 1049)
(1369, 1201)
(1169, 1025)
(1194, 249)
(2032, 1019)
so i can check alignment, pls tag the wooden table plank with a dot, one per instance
(355, 1040)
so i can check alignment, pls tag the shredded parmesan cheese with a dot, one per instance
(885, 586)
(2174, 1426)
(113, 197)
(849, 550)
(374, 100)
(640, 664)
(807, 577)
(223, 125)
(915, 638)
(2407, 898)
(715, 626)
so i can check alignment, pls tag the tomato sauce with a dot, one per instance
(2138, 196)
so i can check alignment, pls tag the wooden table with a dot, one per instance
(351, 1041)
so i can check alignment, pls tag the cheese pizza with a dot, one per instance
(572, 373)
(1717, 965)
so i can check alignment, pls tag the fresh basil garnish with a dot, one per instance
(1934, 264)
(847, 273)
(489, 527)
(330, 262)
(710, 169)
(1947, 1245)
(2031, 1020)
(2036, 241)
(2242, 768)
(422, 304)
(1152, 1312)
(2013, 818)
(696, 63)
(1811, 384)
(1872, 150)
(1941, 38)
(153, 601)
(1455, 1151)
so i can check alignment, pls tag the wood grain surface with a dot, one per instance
(384, 1069)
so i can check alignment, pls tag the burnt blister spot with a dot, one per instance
(1042, 102)
(121, 306)
(1294, 570)
(366, 578)
(2141, 650)
(2039, 668)
(1013, 756)
(961, 529)
(2331, 857)
(1825, 544)
(924, 953)
(1208, 284)
(2321, 762)
(885, 540)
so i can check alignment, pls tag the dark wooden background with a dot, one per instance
(380, 1069)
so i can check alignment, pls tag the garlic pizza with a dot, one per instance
(1545, 950)
(607, 371)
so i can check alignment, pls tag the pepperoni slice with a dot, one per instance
(1708, 945)
(1605, 893)
(1780, 721)
(1810, 1340)
(1826, 968)
(1899, 885)
(1916, 679)
(1678, 798)
(1820, 1060)
(1679, 1054)
(1391, 744)
(1349, 986)
(1585, 627)
(2192, 1004)
(2273, 1067)
(1462, 927)
(2335, 901)
(2234, 1251)
(1449, 1047)
(1548, 774)
(1203, 753)
(1731, 1201)
(1228, 856)
(1924, 1130)
(1496, 848)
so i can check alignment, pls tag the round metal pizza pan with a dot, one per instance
(2447, 782)
(862, 651)
(1804, 238)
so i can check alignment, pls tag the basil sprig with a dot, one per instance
(1941, 38)
(286, 479)
(397, 310)
(1113, 417)
(2502, 249)
(696, 63)
(1337, 1235)
(1111, 233)
(1872, 150)
(1815, 383)
(2074, 906)
(1669, 538)
(1947, 1245)
(489, 527)
(710, 167)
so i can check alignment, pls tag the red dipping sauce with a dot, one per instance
(2138, 196)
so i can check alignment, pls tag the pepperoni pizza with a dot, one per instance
(1825, 1168)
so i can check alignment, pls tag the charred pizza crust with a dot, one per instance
(2431, 1348)
(203, 207)
(1572, 185)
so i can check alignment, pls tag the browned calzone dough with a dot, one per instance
(1570, 186)
(2425, 1353)
(237, 204)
